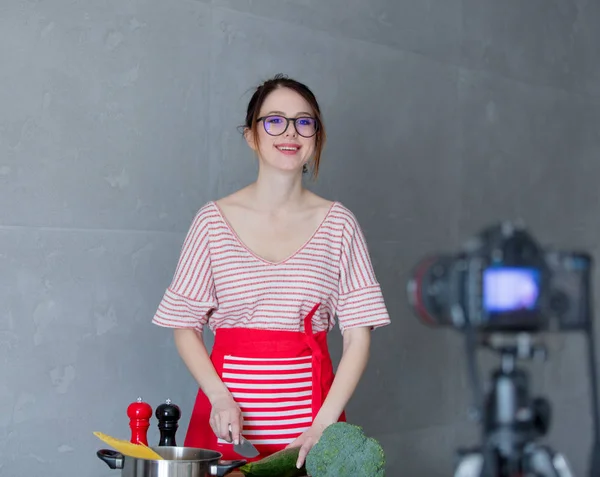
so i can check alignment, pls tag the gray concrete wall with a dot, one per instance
(118, 120)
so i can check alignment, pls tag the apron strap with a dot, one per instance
(317, 358)
(308, 319)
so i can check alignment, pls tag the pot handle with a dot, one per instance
(112, 458)
(223, 467)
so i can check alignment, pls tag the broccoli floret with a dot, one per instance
(344, 449)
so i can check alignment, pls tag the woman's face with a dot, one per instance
(280, 145)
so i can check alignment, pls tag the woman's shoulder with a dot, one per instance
(206, 217)
(239, 197)
(236, 203)
(336, 210)
(317, 204)
(342, 214)
(206, 211)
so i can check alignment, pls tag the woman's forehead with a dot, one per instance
(285, 101)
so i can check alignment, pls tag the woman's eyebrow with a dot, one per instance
(283, 114)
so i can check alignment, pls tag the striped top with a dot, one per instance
(220, 282)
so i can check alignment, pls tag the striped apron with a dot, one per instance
(278, 378)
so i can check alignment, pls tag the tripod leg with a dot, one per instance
(469, 465)
(547, 463)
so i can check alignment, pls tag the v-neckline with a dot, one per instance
(262, 259)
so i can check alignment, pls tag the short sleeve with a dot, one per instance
(360, 301)
(190, 298)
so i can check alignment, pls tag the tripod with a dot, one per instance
(512, 421)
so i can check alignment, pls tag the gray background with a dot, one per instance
(118, 121)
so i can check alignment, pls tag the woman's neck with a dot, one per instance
(275, 191)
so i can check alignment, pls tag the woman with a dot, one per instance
(268, 268)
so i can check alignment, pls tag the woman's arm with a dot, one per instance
(224, 410)
(355, 355)
(354, 360)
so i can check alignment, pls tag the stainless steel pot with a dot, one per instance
(178, 462)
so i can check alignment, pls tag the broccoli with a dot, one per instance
(344, 449)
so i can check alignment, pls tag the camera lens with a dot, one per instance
(428, 290)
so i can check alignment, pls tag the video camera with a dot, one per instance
(502, 291)
(503, 281)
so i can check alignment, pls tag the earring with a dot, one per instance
(304, 169)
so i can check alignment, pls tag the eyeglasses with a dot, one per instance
(277, 125)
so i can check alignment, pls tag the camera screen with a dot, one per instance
(507, 290)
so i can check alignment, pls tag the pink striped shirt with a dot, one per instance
(220, 282)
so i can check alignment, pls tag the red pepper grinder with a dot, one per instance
(139, 413)
(168, 417)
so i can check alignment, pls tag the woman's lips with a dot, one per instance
(288, 148)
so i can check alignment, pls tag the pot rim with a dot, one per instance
(216, 458)
(116, 460)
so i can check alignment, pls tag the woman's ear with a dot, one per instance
(249, 136)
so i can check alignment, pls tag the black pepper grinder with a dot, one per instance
(168, 421)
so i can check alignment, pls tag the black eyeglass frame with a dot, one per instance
(287, 125)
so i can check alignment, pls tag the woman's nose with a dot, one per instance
(291, 130)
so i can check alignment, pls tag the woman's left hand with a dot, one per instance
(306, 441)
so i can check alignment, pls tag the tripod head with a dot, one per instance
(512, 347)
(512, 418)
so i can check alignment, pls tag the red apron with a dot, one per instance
(278, 378)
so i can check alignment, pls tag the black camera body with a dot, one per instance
(503, 281)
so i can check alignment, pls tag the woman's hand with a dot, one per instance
(225, 412)
(306, 441)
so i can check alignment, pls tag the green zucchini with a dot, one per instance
(279, 464)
